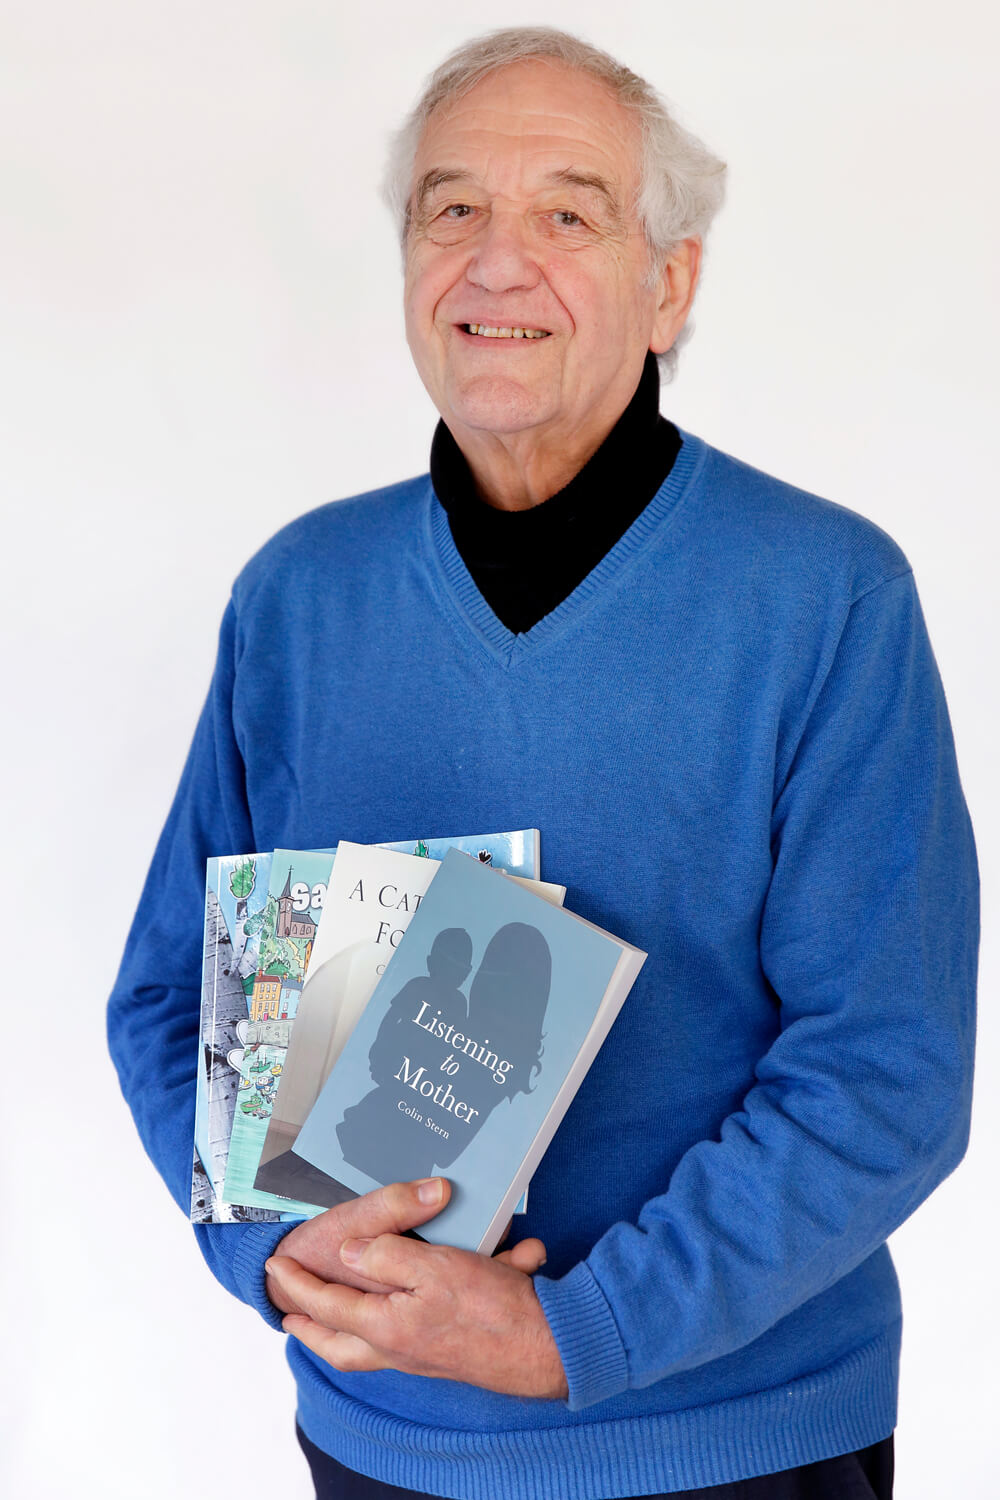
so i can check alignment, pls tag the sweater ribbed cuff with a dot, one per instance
(586, 1336)
(257, 1243)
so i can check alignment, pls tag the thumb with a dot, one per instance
(315, 1243)
(396, 1208)
(527, 1256)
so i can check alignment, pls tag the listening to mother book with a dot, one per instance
(470, 1050)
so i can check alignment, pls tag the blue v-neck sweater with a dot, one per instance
(733, 739)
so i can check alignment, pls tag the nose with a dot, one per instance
(502, 260)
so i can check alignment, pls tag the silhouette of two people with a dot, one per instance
(387, 1135)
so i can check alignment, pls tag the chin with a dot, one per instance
(501, 406)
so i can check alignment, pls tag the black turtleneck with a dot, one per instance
(525, 562)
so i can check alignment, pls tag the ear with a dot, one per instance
(675, 289)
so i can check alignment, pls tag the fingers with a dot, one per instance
(393, 1209)
(316, 1243)
(340, 1308)
(391, 1260)
(527, 1256)
(345, 1351)
(408, 1264)
(278, 1294)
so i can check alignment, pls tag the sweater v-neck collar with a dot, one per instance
(526, 562)
(508, 647)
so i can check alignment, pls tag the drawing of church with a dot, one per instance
(292, 923)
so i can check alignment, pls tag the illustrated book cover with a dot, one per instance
(373, 893)
(470, 1050)
(235, 898)
(284, 933)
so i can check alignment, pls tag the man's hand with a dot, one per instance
(452, 1314)
(390, 1210)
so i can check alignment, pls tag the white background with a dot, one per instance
(200, 337)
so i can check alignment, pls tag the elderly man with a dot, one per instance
(715, 697)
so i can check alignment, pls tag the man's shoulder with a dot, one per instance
(795, 534)
(339, 534)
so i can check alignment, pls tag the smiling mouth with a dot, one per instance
(486, 331)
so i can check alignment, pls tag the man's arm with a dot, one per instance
(154, 1011)
(154, 1020)
(861, 1107)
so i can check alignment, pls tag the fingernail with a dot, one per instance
(269, 1266)
(430, 1190)
(352, 1250)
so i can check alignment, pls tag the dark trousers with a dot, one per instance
(866, 1475)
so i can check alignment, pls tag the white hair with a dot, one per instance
(681, 183)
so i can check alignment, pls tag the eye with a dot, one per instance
(457, 211)
(567, 218)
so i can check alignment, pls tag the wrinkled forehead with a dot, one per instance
(527, 121)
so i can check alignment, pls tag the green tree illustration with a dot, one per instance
(241, 882)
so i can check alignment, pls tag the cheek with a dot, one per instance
(600, 300)
(415, 296)
(428, 281)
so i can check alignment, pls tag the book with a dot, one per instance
(518, 853)
(471, 1082)
(366, 913)
(283, 933)
(235, 897)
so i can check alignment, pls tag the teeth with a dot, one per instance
(486, 332)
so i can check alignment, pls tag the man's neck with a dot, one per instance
(518, 472)
(525, 563)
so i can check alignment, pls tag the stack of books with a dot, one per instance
(377, 1013)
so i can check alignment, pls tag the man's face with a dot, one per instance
(523, 219)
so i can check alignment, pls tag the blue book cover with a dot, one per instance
(470, 1049)
(518, 853)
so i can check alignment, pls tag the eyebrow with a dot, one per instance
(570, 176)
(573, 178)
(435, 178)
